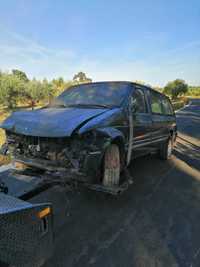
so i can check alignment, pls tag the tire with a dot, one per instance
(111, 166)
(166, 149)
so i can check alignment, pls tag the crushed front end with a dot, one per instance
(79, 155)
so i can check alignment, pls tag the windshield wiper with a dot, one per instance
(89, 105)
(57, 106)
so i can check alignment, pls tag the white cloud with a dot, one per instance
(35, 59)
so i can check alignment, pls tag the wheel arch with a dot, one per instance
(116, 137)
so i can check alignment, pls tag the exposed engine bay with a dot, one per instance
(53, 154)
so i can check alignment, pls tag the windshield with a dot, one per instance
(94, 94)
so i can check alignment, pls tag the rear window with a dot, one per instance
(156, 103)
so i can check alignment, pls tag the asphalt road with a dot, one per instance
(155, 223)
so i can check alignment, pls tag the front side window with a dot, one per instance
(138, 101)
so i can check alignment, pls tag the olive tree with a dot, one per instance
(176, 88)
(11, 89)
(20, 74)
(81, 77)
(32, 93)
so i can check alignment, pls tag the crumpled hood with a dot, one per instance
(49, 122)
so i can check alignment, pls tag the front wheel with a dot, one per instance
(166, 149)
(111, 166)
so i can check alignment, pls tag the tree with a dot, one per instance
(81, 77)
(58, 82)
(58, 85)
(35, 91)
(176, 88)
(11, 89)
(20, 74)
(16, 88)
(49, 90)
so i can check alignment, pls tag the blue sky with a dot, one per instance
(150, 40)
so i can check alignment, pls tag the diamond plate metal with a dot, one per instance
(24, 241)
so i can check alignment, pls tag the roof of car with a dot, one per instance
(128, 82)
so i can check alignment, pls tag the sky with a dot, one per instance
(154, 41)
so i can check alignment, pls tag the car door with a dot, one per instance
(142, 122)
(169, 116)
(159, 122)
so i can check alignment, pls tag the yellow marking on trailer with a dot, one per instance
(44, 212)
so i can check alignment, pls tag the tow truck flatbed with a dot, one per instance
(26, 230)
(19, 185)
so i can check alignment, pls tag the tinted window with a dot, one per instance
(138, 101)
(108, 94)
(167, 108)
(156, 103)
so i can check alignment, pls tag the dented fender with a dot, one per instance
(103, 121)
(111, 132)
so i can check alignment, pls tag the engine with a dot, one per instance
(65, 152)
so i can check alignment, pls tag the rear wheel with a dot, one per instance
(111, 166)
(166, 149)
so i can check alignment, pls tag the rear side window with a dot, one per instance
(160, 104)
(167, 107)
(156, 103)
(138, 101)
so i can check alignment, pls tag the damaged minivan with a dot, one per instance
(92, 131)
